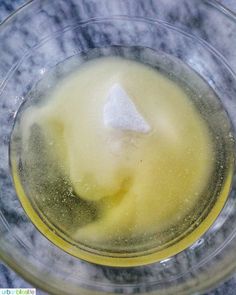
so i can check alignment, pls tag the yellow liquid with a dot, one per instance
(118, 196)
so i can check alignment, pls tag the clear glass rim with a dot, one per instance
(14, 13)
(10, 261)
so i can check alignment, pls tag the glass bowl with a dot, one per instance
(43, 34)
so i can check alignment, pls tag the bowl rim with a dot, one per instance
(12, 262)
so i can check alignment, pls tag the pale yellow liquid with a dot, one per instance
(128, 197)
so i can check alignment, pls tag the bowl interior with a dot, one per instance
(22, 245)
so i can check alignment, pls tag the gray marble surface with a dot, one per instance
(8, 278)
(231, 4)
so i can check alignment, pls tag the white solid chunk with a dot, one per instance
(120, 112)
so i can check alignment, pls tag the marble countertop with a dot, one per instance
(8, 278)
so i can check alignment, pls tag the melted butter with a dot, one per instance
(139, 182)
